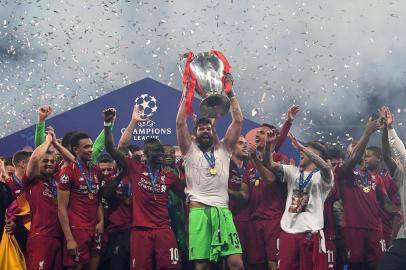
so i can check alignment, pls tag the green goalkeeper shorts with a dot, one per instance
(212, 234)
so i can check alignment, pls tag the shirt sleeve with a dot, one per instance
(283, 134)
(65, 178)
(39, 136)
(397, 146)
(98, 147)
(288, 171)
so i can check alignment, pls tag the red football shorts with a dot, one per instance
(44, 252)
(86, 247)
(160, 244)
(301, 251)
(263, 241)
(242, 230)
(363, 245)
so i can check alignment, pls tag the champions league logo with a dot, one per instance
(148, 106)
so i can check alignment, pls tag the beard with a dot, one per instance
(205, 141)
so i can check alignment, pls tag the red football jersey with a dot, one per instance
(118, 212)
(267, 201)
(150, 203)
(238, 208)
(393, 194)
(83, 205)
(41, 195)
(16, 186)
(361, 207)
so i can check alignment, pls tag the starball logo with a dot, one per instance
(148, 105)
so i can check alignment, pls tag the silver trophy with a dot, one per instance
(208, 69)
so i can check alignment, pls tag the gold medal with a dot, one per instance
(366, 189)
(91, 196)
(256, 182)
(213, 171)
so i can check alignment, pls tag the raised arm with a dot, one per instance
(109, 114)
(39, 136)
(359, 149)
(292, 112)
(234, 130)
(135, 118)
(392, 166)
(33, 167)
(182, 132)
(395, 142)
(65, 153)
(325, 168)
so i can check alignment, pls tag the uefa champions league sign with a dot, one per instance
(148, 105)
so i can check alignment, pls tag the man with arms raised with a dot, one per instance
(153, 242)
(302, 221)
(207, 173)
(44, 245)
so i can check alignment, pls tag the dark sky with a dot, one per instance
(339, 60)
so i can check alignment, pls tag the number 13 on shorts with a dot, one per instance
(174, 255)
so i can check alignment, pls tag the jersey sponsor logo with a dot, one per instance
(64, 179)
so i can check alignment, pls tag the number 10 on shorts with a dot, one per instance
(174, 255)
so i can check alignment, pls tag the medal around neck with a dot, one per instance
(205, 73)
(213, 171)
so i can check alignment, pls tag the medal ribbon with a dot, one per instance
(227, 85)
(364, 178)
(189, 81)
(89, 181)
(53, 187)
(211, 159)
(304, 182)
(241, 171)
(154, 177)
(18, 181)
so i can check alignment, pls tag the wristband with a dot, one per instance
(231, 94)
(107, 124)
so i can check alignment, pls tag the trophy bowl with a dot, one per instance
(208, 71)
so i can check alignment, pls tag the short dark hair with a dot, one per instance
(8, 161)
(67, 137)
(201, 121)
(335, 153)
(318, 146)
(151, 143)
(268, 126)
(76, 137)
(376, 150)
(104, 158)
(20, 156)
(133, 148)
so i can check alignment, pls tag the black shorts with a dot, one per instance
(117, 254)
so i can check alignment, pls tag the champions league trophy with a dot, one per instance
(208, 74)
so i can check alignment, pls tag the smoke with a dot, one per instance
(340, 61)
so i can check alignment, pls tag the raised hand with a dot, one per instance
(389, 116)
(372, 126)
(43, 112)
(296, 144)
(51, 132)
(109, 115)
(292, 112)
(137, 114)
